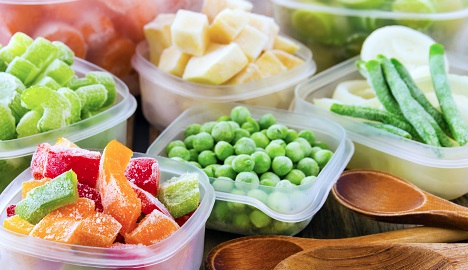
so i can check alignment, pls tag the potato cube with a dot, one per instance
(190, 32)
(288, 60)
(212, 7)
(227, 25)
(174, 61)
(286, 44)
(269, 64)
(219, 64)
(158, 35)
(251, 41)
(250, 73)
(265, 25)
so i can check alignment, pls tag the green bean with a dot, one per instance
(389, 128)
(443, 92)
(419, 96)
(410, 108)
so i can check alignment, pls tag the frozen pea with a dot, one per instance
(260, 139)
(275, 150)
(322, 157)
(236, 206)
(305, 146)
(203, 141)
(281, 227)
(291, 136)
(277, 131)
(308, 179)
(196, 164)
(192, 129)
(267, 182)
(225, 171)
(308, 166)
(264, 131)
(234, 125)
(223, 184)
(251, 125)
(281, 165)
(223, 150)
(308, 135)
(222, 131)
(193, 155)
(258, 149)
(207, 157)
(240, 133)
(244, 146)
(174, 144)
(280, 142)
(272, 176)
(266, 121)
(228, 160)
(181, 152)
(220, 211)
(258, 194)
(284, 184)
(320, 144)
(208, 126)
(243, 163)
(210, 169)
(294, 151)
(179, 159)
(279, 201)
(314, 150)
(259, 219)
(241, 221)
(247, 180)
(224, 118)
(295, 176)
(239, 114)
(262, 162)
(188, 141)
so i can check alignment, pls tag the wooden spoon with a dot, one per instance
(265, 252)
(380, 256)
(384, 197)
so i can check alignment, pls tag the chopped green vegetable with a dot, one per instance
(390, 128)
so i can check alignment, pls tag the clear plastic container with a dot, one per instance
(182, 250)
(438, 170)
(93, 132)
(335, 30)
(290, 209)
(165, 96)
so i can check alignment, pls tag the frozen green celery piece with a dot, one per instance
(64, 52)
(106, 79)
(40, 201)
(16, 47)
(41, 53)
(54, 107)
(28, 125)
(7, 123)
(47, 82)
(75, 103)
(92, 96)
(59, 71)
(23, 70)
(11, 89)
(180, 195)
(76, 82)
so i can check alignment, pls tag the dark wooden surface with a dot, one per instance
(331, 222)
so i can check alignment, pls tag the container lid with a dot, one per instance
(124, 107)
(223, 93)
(140, 256)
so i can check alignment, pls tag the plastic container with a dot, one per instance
(303, 201)
(335, 32)
(438, 170)
(93, 132)
(182, 250)
(165, 96)
(100, 31)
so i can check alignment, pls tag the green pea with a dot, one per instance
(281, 165)
(208, 126)
(240, 133)
(243, 163)
(193, 155)
(294, 151)
(225, 171)
(308, 166)
(207, 157)
(241, 221)
(244, 146)
(251, 125)
(260, 139)
(222, 131)
(314, 150)
(279, 201)
(320, 144)
(239, 114)
(308, 135)
(322, 157)
(264, 131)
(179, 159)
(236, 206)
(277, 131)
(285, 184)
(262, 162)
(181, 152)
(228, 160)
(266, 121)
(211, 169)
(223, 150)
(271, 176)
(224, 118)
(259, 219)
(189, 142)
(223, 184)
(295, 176)
(174, 144)
(234, 125)
(196, 164)
(244, 178)
(280, 142)
(220, 211)
(308, 179)
(305, 146)
(275, 150)
(192, 129)
(258, 194)
(267, 182)
(203, 141)
(291, 136)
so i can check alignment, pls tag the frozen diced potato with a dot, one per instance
(285, 44)
(289, 60)
(269, 64)
(227, 25)
(265, 25)
(173, 61)
(251, 41)
(189, 32)
(212, 7)
(158, 35)
(250, 73)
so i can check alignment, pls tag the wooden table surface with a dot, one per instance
(332, 221)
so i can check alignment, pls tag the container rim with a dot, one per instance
(124, 107)
(139, 256)
(293, 4)
(223, 93)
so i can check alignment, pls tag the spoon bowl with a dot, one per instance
(385, 197)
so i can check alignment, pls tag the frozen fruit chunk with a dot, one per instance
(117, 195)
(98, 230)
(189, 32)
(227, 25)
(149, 202)
(27, 186)
(181, 220)
(39, 160)
(174, 61)
(10, 211)
(85, 191)
(17, 224)
(158, 35)
(42, 200)
(144, 172)
(153, 228)
(180, 194)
